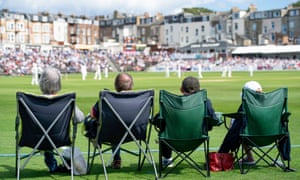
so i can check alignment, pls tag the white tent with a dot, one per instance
(268, 49)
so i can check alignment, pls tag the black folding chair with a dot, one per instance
(124, 117)
(44, 123)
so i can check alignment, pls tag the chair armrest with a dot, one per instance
(158, 122)
(285, 117)
(236, 115)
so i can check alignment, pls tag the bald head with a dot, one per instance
(123, 82)
(50, 82)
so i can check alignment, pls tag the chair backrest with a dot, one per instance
(122, 110)
(45, 120)
(184, 117)
(264, 112)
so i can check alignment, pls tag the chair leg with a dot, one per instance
(159, 159)
(288, 169)
(88, 158)
(103, 162)
(72, 162)
(17, 163)
(207, 157)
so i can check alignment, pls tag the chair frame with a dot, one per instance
(145, 151)
(185, 156)
(46, 136)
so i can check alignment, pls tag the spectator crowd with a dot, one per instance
(21, 62)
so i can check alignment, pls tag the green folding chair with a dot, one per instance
(266, 128)
(184, 118)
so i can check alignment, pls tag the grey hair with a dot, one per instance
(50, 81)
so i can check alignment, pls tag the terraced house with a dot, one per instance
(189, 31)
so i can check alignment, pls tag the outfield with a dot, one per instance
(223, 92)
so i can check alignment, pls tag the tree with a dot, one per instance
(196, 10)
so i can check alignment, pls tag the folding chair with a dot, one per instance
(123, 118)
(183, 128)
(44, 124)
(266, 128)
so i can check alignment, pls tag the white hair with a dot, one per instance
(253, 85)
(50, 81)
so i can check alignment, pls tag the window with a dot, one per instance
(265, 29)
(83, 40)
(273, 36)
(46, 39)
(291, 24)
(20, 27)
(156, 30)
(44, 18)
(236, 26)
(72, 31)
(186, 29)
(236, 15)
(35, 18)
(10, 37)
(36, 27)
(46, 27)
(284, 29)
(273, 25)
(20, 38)
(196, 32)
(294, 13)
(10, 26)
(202, 28)
(254, 27)
(229, 29)
(276, 14)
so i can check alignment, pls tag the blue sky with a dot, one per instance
(106, 7)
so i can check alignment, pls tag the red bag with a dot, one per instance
(220, 161)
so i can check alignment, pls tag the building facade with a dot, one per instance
(178, 31)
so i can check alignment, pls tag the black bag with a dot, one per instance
(90, 127)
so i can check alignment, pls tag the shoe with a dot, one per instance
(246, 162)
(116, 164)
(278, 163)
(60, 169)
(167, 162)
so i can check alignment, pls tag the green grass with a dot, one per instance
(225, 96)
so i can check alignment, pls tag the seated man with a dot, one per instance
(123, 82)
(50, 85)
(189, 86)
(231, 141)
